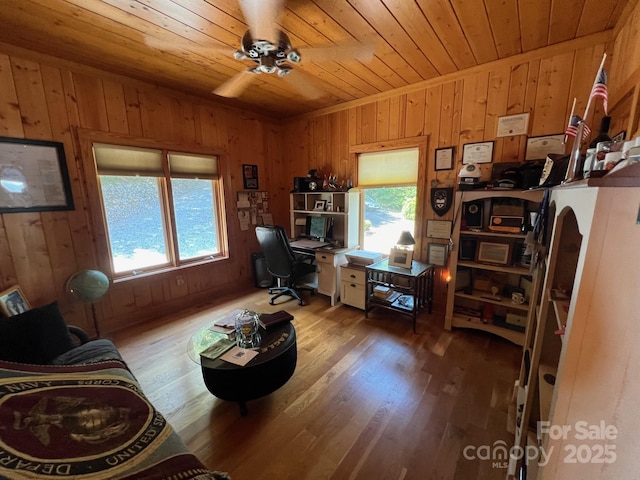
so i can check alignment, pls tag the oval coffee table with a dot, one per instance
(265, 373)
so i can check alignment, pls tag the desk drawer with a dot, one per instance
(353, 294)
(354, 275)
(324, 257)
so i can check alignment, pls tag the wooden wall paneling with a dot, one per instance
(473, 114)
(497, 103)
(585, 67)
(414, 119)
(132, 105)
(397, 123)
(626, 51)
(116, 106)
(513, 148)
(155, 110)
(183, 120)
(554, 83)
(91, 103)
(383, 119)
(10, 120)
(9, 276)
(456, 119)
(347, 169)
(367, 123)
(438, 120)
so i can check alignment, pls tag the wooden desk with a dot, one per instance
(415, 286)
(328, 263)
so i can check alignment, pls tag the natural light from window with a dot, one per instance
(195, 217)
(387, 212)
(134, 220)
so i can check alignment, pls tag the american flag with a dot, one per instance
(600, 89)
(572, 129)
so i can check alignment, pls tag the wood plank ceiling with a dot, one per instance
(188, 44)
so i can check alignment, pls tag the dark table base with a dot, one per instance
(264, 374)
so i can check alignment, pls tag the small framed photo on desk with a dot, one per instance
(320, 205)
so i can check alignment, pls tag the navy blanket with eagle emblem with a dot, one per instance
(86, 422)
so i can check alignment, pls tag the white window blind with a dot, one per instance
(122, 160)
(189, 165)
(392, 167)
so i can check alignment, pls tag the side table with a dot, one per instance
(412, 288)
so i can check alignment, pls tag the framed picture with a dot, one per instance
(437, 254)
(13, 302)
(439, 228)
(444, 158)
(498, 253)
(511, 125)
(320, 205)
(34, 176)
(540, 147)
(481, 152)
(399, 257)
(620, 136)
(250, 177)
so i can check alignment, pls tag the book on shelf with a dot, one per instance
(404, 301)
(382, 291)
(269, 320)
(390, 299)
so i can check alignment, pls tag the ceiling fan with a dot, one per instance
(272, 52)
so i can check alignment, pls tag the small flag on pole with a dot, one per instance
(599, 89)
(572, 129)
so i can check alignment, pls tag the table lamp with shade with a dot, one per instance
(89, 286)
(402, 254)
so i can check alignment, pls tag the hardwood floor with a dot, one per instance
(369, 398)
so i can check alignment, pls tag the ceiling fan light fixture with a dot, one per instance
(294, 56)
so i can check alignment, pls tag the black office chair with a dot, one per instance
(286, 266)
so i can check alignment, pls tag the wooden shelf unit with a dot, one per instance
(510, 272)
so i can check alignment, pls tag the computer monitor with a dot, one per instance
(317, 227)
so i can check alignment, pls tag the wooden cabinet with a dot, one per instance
(340, 209)
(488, 263)
(581, 348)
(353, 283)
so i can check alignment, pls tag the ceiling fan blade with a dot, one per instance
(299, 81)
(204, 51)
(361, 52)
(235, 85)
(262, 17)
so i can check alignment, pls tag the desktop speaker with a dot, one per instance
(262, 277)
(472, 214)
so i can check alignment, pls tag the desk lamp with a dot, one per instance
(402, 254)
(89, 286)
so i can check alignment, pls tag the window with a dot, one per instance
(162, 209)
(389, 181)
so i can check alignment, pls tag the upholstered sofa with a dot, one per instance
(70, 408)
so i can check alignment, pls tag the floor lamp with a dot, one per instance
(89, 286)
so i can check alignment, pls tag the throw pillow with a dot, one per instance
(36, 336)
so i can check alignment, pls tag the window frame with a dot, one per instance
(97, 214)
(421, 143)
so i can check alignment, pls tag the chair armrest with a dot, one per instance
(305, 257)
(79, 333)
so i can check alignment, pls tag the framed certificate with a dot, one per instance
(540, 147)
(477, 152)
(439, 228)
(513, 125)
(444, 158)
(437, 254)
